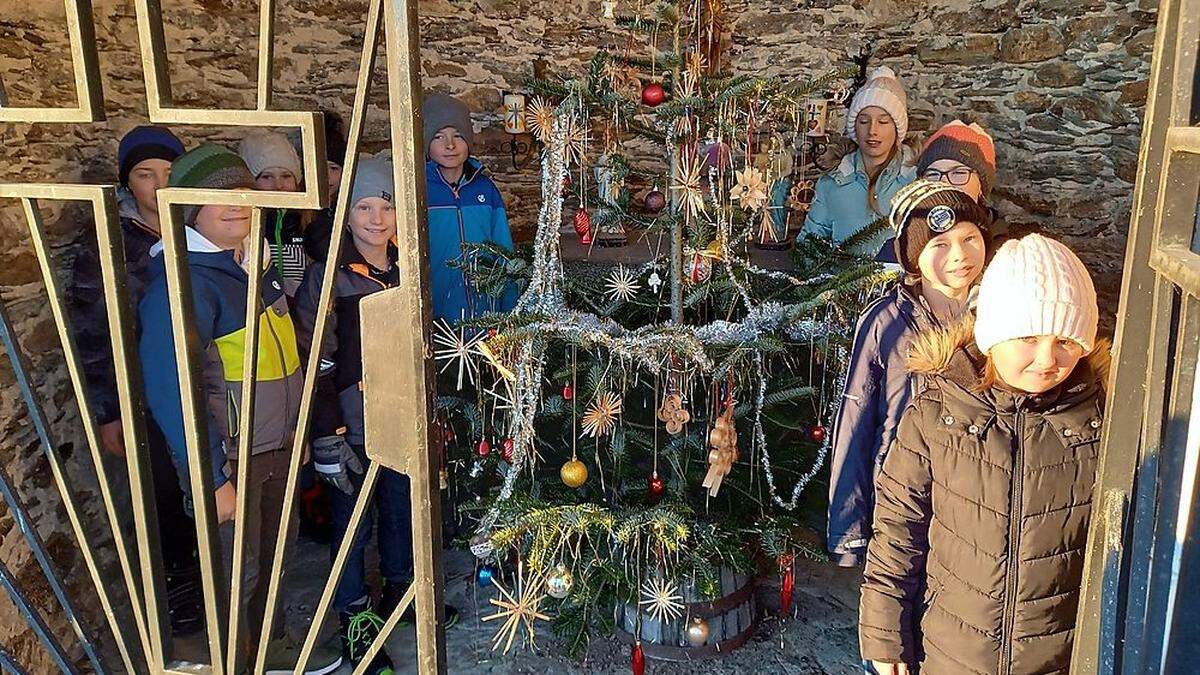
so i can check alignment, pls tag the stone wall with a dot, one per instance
(1060, 83)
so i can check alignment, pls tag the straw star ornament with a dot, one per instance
(519, 611)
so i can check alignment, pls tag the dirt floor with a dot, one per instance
(820, 638)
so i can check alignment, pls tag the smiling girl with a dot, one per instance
(942, 246)
(859, 192)
(985, 496)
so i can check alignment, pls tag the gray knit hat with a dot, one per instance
(372, 178)
(440, 111)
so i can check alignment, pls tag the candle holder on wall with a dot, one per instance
(518, 145)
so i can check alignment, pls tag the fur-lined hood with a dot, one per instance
(951, 353)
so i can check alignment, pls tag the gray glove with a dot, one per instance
(334, 459)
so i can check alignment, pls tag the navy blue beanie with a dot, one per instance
(146, 142)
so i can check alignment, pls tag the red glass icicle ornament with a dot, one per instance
(785, 590)
(484, 448)
(656, 486)
(506, 450)
(638, 661)
(583, 226)
(568, 392)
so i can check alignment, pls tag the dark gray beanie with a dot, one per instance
(440, 111)
(372, 178)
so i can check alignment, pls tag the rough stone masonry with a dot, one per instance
(1060, 83)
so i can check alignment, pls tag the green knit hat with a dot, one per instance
(209, 166)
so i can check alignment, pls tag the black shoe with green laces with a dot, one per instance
(393, 593)
(359, 629)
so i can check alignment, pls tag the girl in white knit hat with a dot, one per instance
(983, 501)
(859, 191)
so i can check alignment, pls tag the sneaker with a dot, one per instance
(390, 598)
(359, 630)
(283, 654)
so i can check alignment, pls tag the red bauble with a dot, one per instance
(448, 434)
(484, 448)
(656, 486)
(568, 392)
(653, 94)
(637, 662)
(654, 201)
(817, 434)
(583, 226)
(506, 450)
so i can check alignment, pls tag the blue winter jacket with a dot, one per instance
(471, 211)
(839, 207)
(878, 387)
(219, 286)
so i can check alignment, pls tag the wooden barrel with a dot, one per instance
(732, 618)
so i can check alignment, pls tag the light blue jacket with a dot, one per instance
(471, 211)
(839, 207)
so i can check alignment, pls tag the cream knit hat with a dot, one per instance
(1036, 286)
(265, 149)
(883, 90)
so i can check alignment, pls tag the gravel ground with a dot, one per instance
(820, 638)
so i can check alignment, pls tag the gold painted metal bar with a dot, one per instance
(84, 62)
(195, 423)
(159, 104)
(87, 547)
(66, 335)
(1183, 139)
(414, 369)
(122, 317)
(361, 504)
(266, 52)
(85, 69)
(386, 631)
(324, 303)
(245, 429)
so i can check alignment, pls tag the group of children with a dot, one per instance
(464, 207)
(963, 452)
(965, 445)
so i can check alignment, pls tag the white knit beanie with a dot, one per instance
(1036, 286)
(262, 150)
(883, 90)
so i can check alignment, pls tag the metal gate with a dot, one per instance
(1140, 604)
(397, 377)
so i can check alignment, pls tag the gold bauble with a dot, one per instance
(696, 632)
(574, 473)
(559, 583)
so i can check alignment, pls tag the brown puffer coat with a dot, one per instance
(981, 519)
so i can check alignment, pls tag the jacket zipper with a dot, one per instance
(1014, 540)
(462, 234)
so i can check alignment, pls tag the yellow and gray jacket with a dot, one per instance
(219, 287)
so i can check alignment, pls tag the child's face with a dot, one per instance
(876, 132)
(957, 174)
(1037, 363)
(278, 179)
(225, 226)
(448, 149)
(147, 178)
(954, 259)
(373, 221)
(335, 176)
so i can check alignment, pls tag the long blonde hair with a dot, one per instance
(874, 174)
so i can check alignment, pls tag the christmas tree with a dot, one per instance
(635, 429)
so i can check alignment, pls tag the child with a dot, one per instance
(964, 156)
(368, 264)
(464, 206)
(942, 246)
(215, 237)
(275, 166)
(144, 159)
(317, 235)
(984, 499)
(859, 192)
